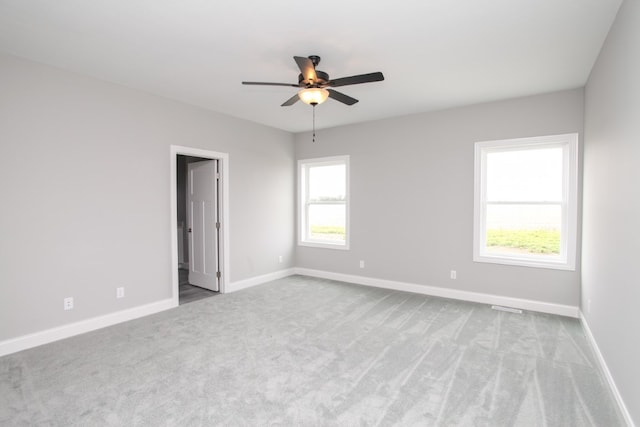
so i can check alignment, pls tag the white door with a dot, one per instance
(202, 223)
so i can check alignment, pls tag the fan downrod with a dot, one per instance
(315, 60)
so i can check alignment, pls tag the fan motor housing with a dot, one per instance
(322, 79)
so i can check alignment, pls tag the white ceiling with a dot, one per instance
(435, 54)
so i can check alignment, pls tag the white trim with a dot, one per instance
(302, 189)
(224, 166)
(324, 245)
(259, 280)
(24, 342)
(605, 370)
(524, 304)
(569, 203)
(47, 336)
(43, 337)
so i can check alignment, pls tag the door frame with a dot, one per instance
(223, 167)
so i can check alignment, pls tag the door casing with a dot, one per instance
(223, 165)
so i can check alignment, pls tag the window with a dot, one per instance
(323, 211)
(526, 201)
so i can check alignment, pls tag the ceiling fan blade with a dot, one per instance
(291, 101)
(306, 68)
(354, 80)
(341, 97)
(270, 84)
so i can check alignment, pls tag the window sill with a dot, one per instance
(325, 245)
(525, 262)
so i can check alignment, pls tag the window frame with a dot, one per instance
(569, 201)
(303, 203)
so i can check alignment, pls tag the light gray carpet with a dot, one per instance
(310, 352)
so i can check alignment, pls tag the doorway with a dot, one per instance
(199, 212)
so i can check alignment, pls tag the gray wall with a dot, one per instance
(412, 196)
(84, 185)
(611, 230)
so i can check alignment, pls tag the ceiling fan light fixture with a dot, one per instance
(313, 96)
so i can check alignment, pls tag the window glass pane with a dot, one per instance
(525, 175)
(323, 205)
(523, 229)
(327, 183)
(526, 201)
(327, 222)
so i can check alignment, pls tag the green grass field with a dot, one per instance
(333, 232)
(532, 241)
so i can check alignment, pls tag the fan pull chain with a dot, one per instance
(314, 123)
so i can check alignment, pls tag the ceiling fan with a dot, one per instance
(315, 84)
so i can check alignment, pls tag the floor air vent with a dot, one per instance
(508, 309)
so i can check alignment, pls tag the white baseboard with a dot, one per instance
(258, 280)
(65, 331)
(35, 339)
(524, 304)
(606, 372)
(43, 337)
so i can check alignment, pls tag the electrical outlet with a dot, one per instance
(361, 264)
(68, 303)
(120, 292)
(454, 275)
(280, 259)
